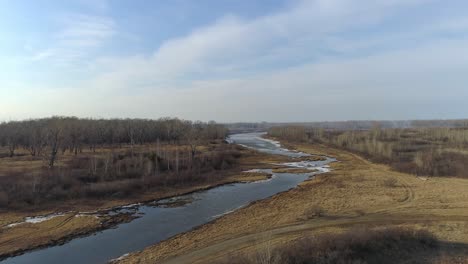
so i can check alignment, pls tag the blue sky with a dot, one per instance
(266, 60)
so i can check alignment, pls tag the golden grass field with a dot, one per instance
(356, 193)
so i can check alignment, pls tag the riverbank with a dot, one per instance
(81, 218)
(356, 192)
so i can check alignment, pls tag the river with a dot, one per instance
(157, 222)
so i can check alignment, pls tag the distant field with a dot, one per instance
(427, 151)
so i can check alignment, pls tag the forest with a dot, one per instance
(423, 151)
(62, 158)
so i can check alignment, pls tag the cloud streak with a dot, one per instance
(80, 35)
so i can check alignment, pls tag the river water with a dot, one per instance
(159, 222)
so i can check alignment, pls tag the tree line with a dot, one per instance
(429, 151)
(106, 158)
(48, 137)
(353, 124)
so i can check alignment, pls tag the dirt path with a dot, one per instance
(230, 247)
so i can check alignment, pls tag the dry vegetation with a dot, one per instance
(57, 159)
(436, 151)
(73, 165)
(356, 193)
(314, 216)
(29, 236)
(358, 245)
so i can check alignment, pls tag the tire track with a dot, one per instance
(227, 247)
(22, 237)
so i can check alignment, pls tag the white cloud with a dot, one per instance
(80, 35)
(86, 31)
(232, 46)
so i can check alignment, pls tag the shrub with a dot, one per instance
(360, 212)
(358, 246)
(361, 245)
(390, 182)
(314, 212)
(3, 199)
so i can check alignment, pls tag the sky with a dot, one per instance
(231, 60)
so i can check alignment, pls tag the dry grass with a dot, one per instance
(354, 185)
(253, 176)
(358, 245)
(26, 236)
(390, 182)
(314, 212)
(432, 151)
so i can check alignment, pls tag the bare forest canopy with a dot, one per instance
(62, 158)
(427, 151)
(48, 136)
(350, 125)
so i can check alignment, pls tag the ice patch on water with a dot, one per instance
(254, 170)
(266, 180)
(228, 212)
(301, 164)
(323, 169)
(256, 141)
(119, 258)
(274, 142)
(129, 206)
(309, 165)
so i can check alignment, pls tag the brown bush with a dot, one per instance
(447, 259)
(314, 212)
(360, 212)
(390, 182)
(358, 246)
(382, 246)
(3, 199)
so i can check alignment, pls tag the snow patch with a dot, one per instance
(36, 219)
(89, 215)
(253, 170)
(130, 206)
(119, 258)
(274, 142)
(228, 212)
(323, 169)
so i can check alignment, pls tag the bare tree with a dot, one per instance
(54, 139)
